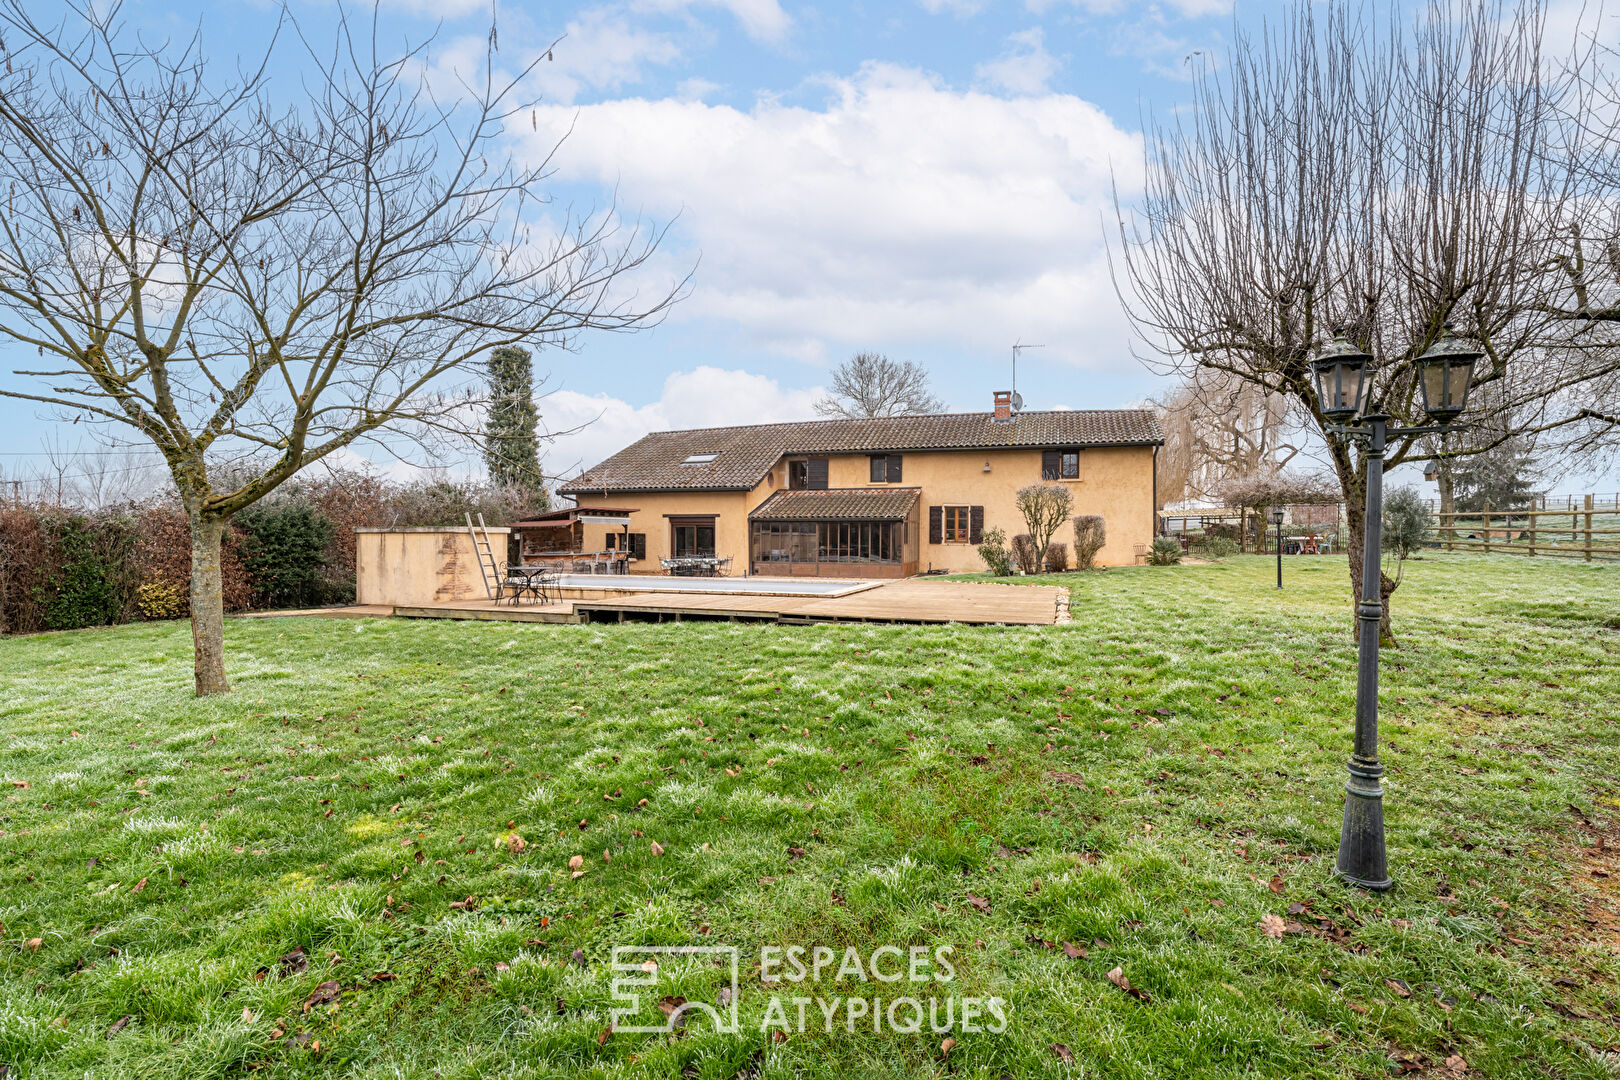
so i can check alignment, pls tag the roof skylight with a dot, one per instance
(700, 459)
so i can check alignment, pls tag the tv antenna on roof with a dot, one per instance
(1017, 400)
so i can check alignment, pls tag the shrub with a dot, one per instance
(1407, 523)
(1044, 506)
(1026, 554)
(91, 584)
(162, 600)
(993, 550)
(1090, 534)
(1166, 551)
(286, 553)
(162, 555)
(1220, 547)
(1057, 557)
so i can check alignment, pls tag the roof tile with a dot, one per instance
(744, 454)
(839, 504)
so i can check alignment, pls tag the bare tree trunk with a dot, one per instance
(1355, 514)
(208, 604)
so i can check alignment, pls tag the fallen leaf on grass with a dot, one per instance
(657, 848)
(138, 886)
(946, 1047)
(33, 944)
(1117, 977)
(248, 1015)
(576, 862)
(1456, 1065)
(1073, 951)
(579, 957)
(980, 902)
(119, 1025)
(294, 962)
(1399, 986)
(464, 905)
(325, 993)
(601, 1040)
(383, 976)
(515, 844)
(1276, 884)
(1063, 1053)
(1271, 926)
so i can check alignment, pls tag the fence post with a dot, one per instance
(1485, 515)
(1589, 528)
(1532, 550)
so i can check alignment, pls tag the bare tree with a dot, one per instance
(248, 282)
(870, 384)
(1391, 182)
(1045, 507)
(1217, 427)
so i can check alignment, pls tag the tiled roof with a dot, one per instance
(744, 454)
(839, 504)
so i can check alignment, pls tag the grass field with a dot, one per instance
(1158, 785)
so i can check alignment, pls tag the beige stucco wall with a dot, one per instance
(420, 566)
(1116, 482)
(651, 516)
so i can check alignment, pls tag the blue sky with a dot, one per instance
(925, 178)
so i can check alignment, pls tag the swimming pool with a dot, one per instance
(735, 586)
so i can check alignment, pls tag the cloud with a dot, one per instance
(703, 397)
(600, 50)
(1024, 67)
(1187, 9)
(899, 211)
(762, 20)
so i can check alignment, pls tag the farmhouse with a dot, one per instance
(885, 497)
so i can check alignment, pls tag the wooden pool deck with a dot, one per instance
(905, 601)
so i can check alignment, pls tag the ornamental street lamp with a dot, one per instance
(1276, 519)
(1342, 376)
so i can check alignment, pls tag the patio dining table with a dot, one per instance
(533, 581)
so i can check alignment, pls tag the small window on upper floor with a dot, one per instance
(700, 459)
(1060, 464)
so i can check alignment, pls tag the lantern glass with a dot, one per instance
(1276, 517)
(1341, 376)
(1445, 373)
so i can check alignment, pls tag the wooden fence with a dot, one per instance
(1586, 529)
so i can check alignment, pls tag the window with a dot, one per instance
(885, 469)
(692, 536)
(700, 459)
(955, 524)
(808, 474)
(636, 545)
(1060, 464)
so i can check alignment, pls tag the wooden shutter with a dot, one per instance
(894, 468)
(936, 524)
(817, 474)
(1051, 462)
(638, 545)
(975, 524)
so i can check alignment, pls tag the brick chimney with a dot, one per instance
(1003, 404)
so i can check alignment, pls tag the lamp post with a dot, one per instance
(1276, 519)
(1341, 371)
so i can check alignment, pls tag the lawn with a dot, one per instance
(358, 863)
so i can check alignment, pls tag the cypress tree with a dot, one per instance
(511, 448)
